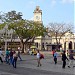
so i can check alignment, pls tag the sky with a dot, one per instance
(60, 11)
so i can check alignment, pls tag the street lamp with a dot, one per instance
(6, 31)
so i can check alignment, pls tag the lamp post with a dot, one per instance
(6, 31)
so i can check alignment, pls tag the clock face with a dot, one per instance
(37, 17)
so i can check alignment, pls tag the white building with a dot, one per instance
(67, 41)
(40, 41)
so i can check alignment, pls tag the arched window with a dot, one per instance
(70, 45)
(42, 45)
(36, 44)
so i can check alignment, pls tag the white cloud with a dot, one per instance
(53, 3)
(31, 2)
(67, 1)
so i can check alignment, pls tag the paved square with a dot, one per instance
(29, 67)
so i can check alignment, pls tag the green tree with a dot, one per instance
(10, 16)
(58, 30)
(27, 30)
(24, 29)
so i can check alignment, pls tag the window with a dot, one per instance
(36, 44)
(70, 45)
(42, 45)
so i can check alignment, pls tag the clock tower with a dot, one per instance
(38, 14)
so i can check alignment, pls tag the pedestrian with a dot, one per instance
(11, 56)
(64, 57)
(38, 58)
(19, 56)
(1, 54)
(14, 59)
(7, 56)
(55, 57)
(71, 59)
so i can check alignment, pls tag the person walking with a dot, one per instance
(38, 59)
(55, 57)
(64, 57)
(19, 55)
(14, 59)
(7, 56)
(71, 59)
(1, 54)
(11, 57)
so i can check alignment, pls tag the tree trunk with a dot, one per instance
(25, 46)
(59, 39)
(22, 45)
(56, 38)
(33, 39)
(57, 45)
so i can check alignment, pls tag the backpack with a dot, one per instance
(41, 56)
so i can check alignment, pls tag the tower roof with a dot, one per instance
(37, 10)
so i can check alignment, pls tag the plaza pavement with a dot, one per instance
(47, 64)
(30, 62)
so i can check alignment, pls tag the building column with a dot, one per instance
(67, 47)
(73, 45)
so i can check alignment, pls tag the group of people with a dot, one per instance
(10, 57)
(64, 57)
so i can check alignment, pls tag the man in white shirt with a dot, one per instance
(38, 58)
